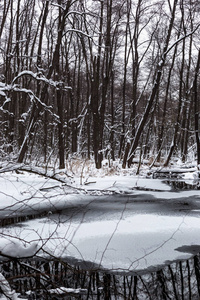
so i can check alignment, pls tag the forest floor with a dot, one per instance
(109, 218)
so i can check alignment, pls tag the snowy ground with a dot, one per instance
(118, 221)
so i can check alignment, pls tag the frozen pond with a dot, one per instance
(132, 233)
(137, 225)
(118, 232)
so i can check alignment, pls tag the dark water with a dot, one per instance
(36, 278)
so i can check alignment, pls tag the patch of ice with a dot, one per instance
(134, 242)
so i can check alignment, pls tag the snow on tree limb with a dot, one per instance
(40, 171)
(182, 38)
(64, 291)
(77, 31)
(31, 94)
(37, 170)
(39, 76)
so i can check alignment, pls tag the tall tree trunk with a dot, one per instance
(148, 108)
(126, 57)
(95, 98)
(112, 144)
(161, 132)
(53, 67)
(176, 127)
(196, 110)
(6, 7)
(189, 106)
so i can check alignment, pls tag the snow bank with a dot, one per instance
(15, 249)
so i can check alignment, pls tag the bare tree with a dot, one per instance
(154, 90)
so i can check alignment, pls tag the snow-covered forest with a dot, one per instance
(99, 101)
(98, 79)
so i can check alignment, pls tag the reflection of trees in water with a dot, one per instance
(176, 281)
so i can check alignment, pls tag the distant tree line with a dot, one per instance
(99, 78)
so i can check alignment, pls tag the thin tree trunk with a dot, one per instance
(188, 106)
(95, 99)
(160, 138)
(196, 110)
(176, 127)
(5, 13)
(153, 92)
(112, 144)
(35, 113)
(126, 56)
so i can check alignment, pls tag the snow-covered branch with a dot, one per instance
(181, 39)
(77, 31)
(14, 87)
(39, 76)
(5, 110)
